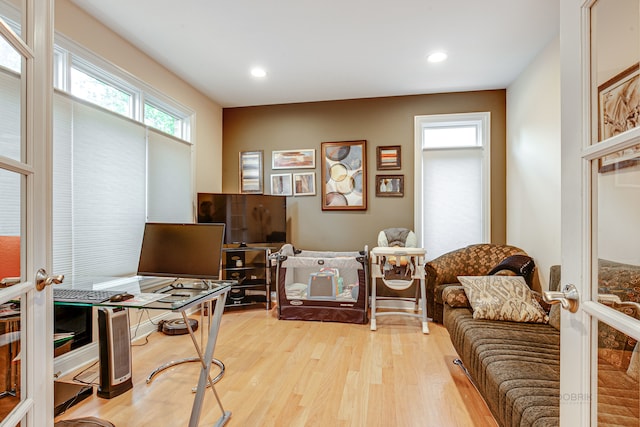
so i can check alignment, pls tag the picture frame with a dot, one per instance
(344, 175)
(293, 159)
(304, 184)
(389, 185)
(615, 113)
(281, 184)
(619, 160)
(250, 170)
(388, 157)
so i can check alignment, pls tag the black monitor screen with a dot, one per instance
(249, 218)
(181, 250)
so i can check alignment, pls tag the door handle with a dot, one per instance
(43, 279)
(568, 298)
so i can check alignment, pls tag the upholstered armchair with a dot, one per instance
(472, 260)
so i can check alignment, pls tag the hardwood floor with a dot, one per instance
(299, 373)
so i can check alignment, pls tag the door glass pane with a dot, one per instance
(10, 209)
(10, 240)
(615, 52)
(617, 394)
(9, 357)
(10, 114)
(617, 230)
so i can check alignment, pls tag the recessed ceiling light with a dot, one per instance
(437, 57)
(258, 72)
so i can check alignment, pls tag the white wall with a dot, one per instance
(533, 160)
(82, 28)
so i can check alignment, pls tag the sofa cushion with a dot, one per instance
(515, 368)
(454, 296)
(502, 298)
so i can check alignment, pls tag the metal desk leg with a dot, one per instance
(205, 378)
(191, 359)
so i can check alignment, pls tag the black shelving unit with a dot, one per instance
(250, 267)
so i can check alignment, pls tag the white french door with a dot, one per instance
(600, 50)
(26, 335)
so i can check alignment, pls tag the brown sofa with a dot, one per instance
(516, 366)
(472, 260)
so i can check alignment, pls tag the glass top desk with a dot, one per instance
(177, 295)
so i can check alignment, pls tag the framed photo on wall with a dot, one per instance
(251, 172)
(390, 185)
(388, 157)
(304, 184)
(281, 184)
(618, 103)
(344, 175)
(293, 159)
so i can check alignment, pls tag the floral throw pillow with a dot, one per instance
(502, 298)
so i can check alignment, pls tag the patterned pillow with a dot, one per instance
(502, 298)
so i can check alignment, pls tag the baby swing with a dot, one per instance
(398, 263)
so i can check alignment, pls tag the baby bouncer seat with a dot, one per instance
(398, 263)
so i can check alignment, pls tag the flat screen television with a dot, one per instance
(249, 218)
(181, 250)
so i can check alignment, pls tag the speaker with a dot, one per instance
(115, 351)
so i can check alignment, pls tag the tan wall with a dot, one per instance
(80, 27)
(379, 121)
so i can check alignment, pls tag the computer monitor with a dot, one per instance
(181, 250)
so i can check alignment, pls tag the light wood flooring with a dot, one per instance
(301, 373)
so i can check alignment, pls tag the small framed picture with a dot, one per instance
(281, 184)
(251, 172)
(304, 184)
(389, 185)
(293, 159)
(388, 157)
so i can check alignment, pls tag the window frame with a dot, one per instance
(69, 54)
(482, 122)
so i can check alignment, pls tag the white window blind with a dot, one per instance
(169, 197)
(453, 199)
(100, 189)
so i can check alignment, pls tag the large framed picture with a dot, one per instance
(251, 172)
(281, 184)
(619, 103)
(293, 159)
(344, 175)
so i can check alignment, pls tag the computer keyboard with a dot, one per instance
(82, 296)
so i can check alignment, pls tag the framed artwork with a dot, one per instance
(620, 159)
(304, 184)
(281, 184)
(390, 185)
(293, 159)
(251, 172)
(388, 157)
(618, 103)
(344, 175)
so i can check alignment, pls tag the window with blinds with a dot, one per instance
(111, 175)
(452, 181)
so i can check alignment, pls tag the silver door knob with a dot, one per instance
(43, 279)
(568, 298)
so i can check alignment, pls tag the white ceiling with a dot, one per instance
(334, 49)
